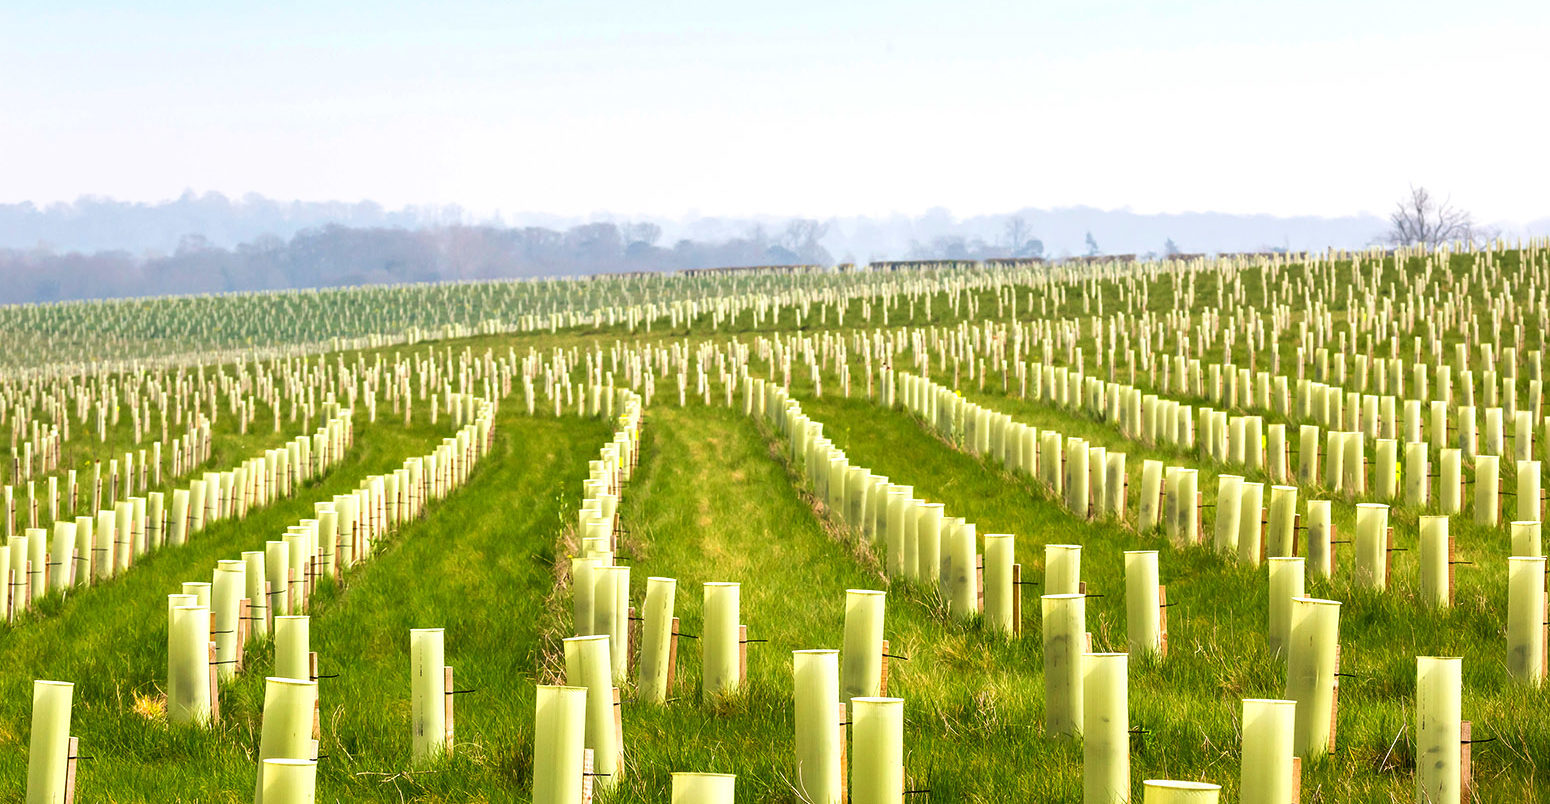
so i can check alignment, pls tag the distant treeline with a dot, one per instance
(337, 255)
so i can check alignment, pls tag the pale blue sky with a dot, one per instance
(795, 107)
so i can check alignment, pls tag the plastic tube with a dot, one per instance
(1438, 728)
(48, 751)
(611, 615)
(861, 662)
(1526, 618)
(963, 584)
(719, 639)
(1165, 791)
(819, 736)
(1229, 493)
(1417, 471)
(1000, 555)
(1372, 524)
(877, 740)
(1065, 637)
(656, 639)
(291, 781)
(1251, 515)
(188, 654)
(292, 646)
(226, 598)
(1062, 569)
(1286, 584)
(428, 688)
(1525, 539)
(1310, 672)
(1434, 558)
(1487, 489)
(286, 730)
(558, 742)
(587, 665)
(704, 788)
(1528, 491)
(1106, 728)
(928, 541)
(1269, 727)
(1143, 614)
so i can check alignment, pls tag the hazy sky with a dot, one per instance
(795, 107)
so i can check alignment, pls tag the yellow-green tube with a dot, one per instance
(559, 738)
(1372, 524)
(292, 646)
(877, 745)
(48, 751)
(1526, 618)
(199, 589)
(1434, 559)
(173, 602)
(1417, 471)
(1115, 483)
(258, 603)
(861, 663)
(1320, 555)
(1528, 491)
(1165, 791)
(1354, 466)
(1269, 727)
(290, 781)
(1065, 641)
(1143, 613)
(1077, 497)
(1525, 539)
(898, 500)
(1251, 515)
(1310, 671)
(1188, 528)
(1286, 584)
(1229, 493)
(286, 730)
(1307, 454)
(1000, 555)
(188, 653)
(277, 564)
(61, 571)
(1386, 469)
(177, 523)
(963, 578)
(1275, 451)
(611, 615)
(1106, 728)
(1487, 489)
(1151, 490)
(1280, 536)
(704, 788)
(656, 639)
(928, 541)
(819, 736)
(719, 639)
(1449, 491)
(1062, 569)
(909, 564)
(1438, 728)
(428, 701)
(197, 503)
(1334, 468)
(226, 596)
(102, 552)
(84, 542)
(37, 553)
(587, 665)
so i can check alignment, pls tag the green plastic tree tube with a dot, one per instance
(1487, 489)
(196, 506)
(1106, 728)
(1170, 508)
(1097, 479)
(1280, 533)
(277, 563)
(1151, 490)
(1275, 449)
(1525, 539)
(286, 730)
(704, 788)
(1286, 584)
(1354, 464)
(1115, 483)
(102, 549)
(1310, 671)
(611, 615)
(1065, 638)
(861, 666)
(1075, 481)
(1334, 467)
(188, 653)
(292, 781)
(1449, 491)
(1417, 471)
(1062, 569)
(61, 573)
(964, 573)
(1229, 496)
(258, 602)
(226, 597)
(428, 688)
(1526, 618)
(1143, 613)
(173, 602)
(1438, 728)
(37, 553)
(1434, 558)
(558, 742)
(297, 551)
(200, 589)
(656, 639)
(719, 639)
(1320, 555)
(1050, 461)
(877, 746)
(928, 544)
(177, 523)
(48, 751)
(819, 735)
(950, 526)
(1000, 555)
(328, 537)
(292, 646)
(898, 500)
(84, 542)
(1528, 491)
(1269, 728)
(1307, 454)
(1251, 512)
(1386, 469)
(909, 566)
(587, 664)
(1167, 791)
(1372, 524)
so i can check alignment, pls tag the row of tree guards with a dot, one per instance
(262, 598)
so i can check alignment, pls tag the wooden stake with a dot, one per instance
(1334, 702)
(883, 681)
(672, 657)
(1388, 556)
(1017, 600)
(632, 638)
(244, 612)
(742, 655)
(979, 570)
(1466, 771)
(1296, 780)
(586, 775)
(1162, 617)
(618, 730)
(215, 688)
(317, 711)
(844, 769)
(447, 703)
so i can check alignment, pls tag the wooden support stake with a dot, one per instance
(587, 767)
(672, 657)
(1017, 600)
(1451, 553)
(1088, 643)
(1388, 555)
(618, 730)
(1200, 519)
(447, 704)
(844, 769)
(882, 685)
(244, 612)
(742, 655)
(294, 601)
(1162, 617)
(75, 753)
(1333, 534)
(1466, 771)
(215, 688)
(317, 711)
(1334, 702)
(1296, 780)
(979, 570)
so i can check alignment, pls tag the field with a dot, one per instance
(511, 462)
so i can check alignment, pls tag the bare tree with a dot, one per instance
(1020, 241)
(1422, 220)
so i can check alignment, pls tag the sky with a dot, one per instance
(818, 109)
